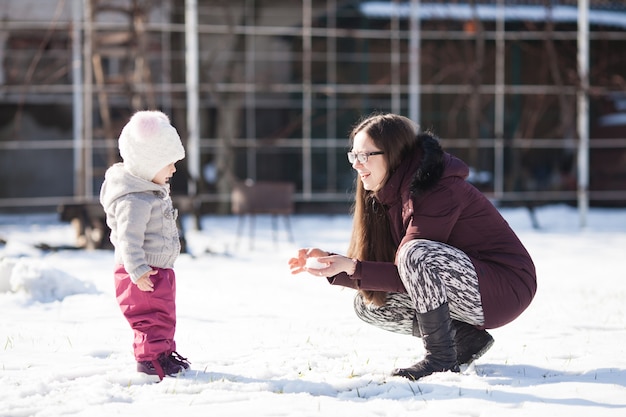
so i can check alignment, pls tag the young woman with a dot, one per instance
(429, 254)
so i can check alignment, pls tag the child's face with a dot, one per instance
(164, 175)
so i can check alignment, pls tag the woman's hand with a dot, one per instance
(298, 264)
(321, 263)
(145, 283)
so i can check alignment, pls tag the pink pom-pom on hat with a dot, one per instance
(148, 143)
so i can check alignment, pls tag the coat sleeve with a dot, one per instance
(373, 276)
(132, 217)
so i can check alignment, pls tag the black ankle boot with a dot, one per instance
(438, 336)
(471, 343)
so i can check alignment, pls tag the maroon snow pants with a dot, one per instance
(151, 315)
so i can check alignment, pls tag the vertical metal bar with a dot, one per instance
(87, 142)
(414, 62)
(583, 111)
(250, 111)
(166, 58)
(307, 96)
(77, 85)
(498, 184)
(331, 98)
(191, 81)
(396, 102)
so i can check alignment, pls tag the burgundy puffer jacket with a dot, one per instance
(444, 207)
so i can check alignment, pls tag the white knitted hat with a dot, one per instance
(148, 143)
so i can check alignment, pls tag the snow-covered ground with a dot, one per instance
(265, 343)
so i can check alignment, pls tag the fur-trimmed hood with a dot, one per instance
(431, 163)
(421, 170)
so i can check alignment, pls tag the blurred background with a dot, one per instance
(268, 90)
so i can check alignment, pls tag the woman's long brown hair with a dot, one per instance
(371, 234)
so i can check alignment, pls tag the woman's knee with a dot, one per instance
(361, 309)
(415, 253)
(395, 316)
(420, 264)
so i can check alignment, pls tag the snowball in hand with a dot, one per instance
(313, 263)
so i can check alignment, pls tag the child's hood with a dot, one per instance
(118, 182)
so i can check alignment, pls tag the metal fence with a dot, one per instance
(268, 91)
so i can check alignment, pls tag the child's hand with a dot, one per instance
(145, 283)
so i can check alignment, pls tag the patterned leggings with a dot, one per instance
(433, 273)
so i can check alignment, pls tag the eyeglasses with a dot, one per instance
(362, 157)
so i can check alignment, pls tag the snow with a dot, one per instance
(490, 12)
(314, 263)
(265, 343)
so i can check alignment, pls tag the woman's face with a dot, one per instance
(373, 172)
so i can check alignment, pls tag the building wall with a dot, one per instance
(281, 86)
